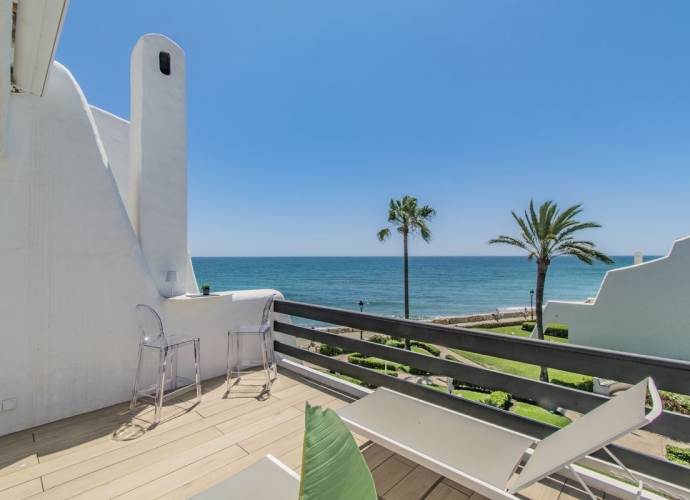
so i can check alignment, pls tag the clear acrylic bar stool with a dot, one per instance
(263, 333)
(153, 337)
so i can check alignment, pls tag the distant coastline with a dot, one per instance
(440, 287)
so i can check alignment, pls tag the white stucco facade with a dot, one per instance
(73, 268)
(158, 159)
(639, 309)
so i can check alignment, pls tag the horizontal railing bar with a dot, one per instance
(672, 425)
(668, 374)
(641, 462)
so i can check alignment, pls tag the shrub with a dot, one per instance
(356, 355)
(329, 350)
(673, 402)
(451, 357)
(552, 329)
(352, 380)
(557, 330)
(395, 343)
(584, 384)
(378, 339)
(373, 363)
(499, 399)
(459, 384)
(678, 455)
(433, 350)
(392, 373)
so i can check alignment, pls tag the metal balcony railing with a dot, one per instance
(668, 374)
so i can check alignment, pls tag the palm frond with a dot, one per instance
(383, 234)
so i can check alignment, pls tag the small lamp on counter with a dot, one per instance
(172, 279)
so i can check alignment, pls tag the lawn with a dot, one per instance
(538, 413)
(420, 350)
(526, 410)
(515, 367)
(519, 332)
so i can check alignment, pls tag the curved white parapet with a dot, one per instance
(640, 309)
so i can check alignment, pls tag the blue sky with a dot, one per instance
(306, 117)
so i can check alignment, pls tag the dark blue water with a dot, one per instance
(439, 286)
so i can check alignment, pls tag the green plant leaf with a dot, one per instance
(332, 465)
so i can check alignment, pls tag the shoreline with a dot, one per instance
(482, 320)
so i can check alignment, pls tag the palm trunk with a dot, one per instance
(407, 291)
(542, 267)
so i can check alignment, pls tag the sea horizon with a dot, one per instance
(440, 286)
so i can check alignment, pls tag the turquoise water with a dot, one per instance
(439, 286)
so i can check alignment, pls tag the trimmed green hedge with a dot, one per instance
(378, 339)
(395, 343)
(433, 350)
(678, 455)
(552, 329)
(584, 384)
(451, 357)
(389, 372)
(499, 399)
(557, 330)
(459, 384)
(373, 363)
(328, 350)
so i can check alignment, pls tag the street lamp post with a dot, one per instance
(361, 309)
(531, 307)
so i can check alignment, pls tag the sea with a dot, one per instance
(439, 286)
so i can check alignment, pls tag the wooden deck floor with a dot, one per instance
(109, 453)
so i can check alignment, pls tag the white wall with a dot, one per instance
(640, 309)
(73, 271)
(158, 160)
(5, 63)
(113, 132)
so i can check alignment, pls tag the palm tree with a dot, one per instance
(408, 218)
(549, 234)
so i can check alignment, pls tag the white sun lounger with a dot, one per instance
(484, 457)
(267, 479)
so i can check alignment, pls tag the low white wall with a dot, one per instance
(73, 271)
(639, 309)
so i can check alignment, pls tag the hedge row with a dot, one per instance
(499, 399)
(329, 350)
(584, 384)
(678, 455)
(459, 384)
(552, 329)
(373, 363)
(433, 350)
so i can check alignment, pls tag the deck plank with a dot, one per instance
(417, 484)
(444, 492)
(21, 491)
(388, 474)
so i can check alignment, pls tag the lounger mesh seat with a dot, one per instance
(482, 456)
